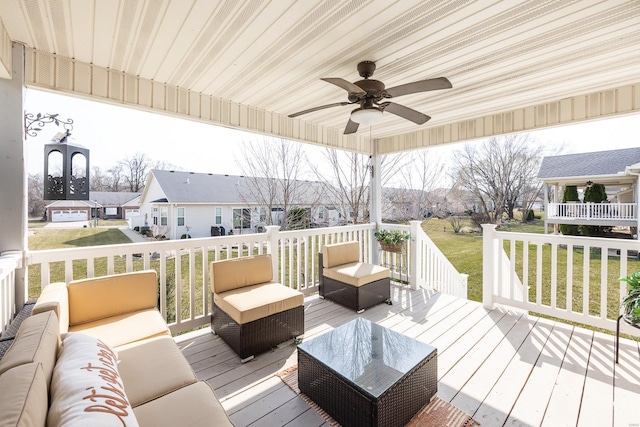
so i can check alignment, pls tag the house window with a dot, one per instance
(218, 216)
(263, 214)
(154, 214)
(164, 216)
(180, 217)
(321, 212)
(242, 218)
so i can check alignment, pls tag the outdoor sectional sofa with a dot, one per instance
(251, 312)
(349, 282)
(98, 352)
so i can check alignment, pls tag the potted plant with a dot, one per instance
(631, 302)
(391, 240)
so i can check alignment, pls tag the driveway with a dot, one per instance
(69, 224)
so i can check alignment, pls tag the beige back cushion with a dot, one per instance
(102, 297)
(239, 272)
(340, 253)
(54, 297)
(37, 341)
(24, 400)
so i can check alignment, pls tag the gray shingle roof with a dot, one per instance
(112, 198)
(599, 163)
(191, 187)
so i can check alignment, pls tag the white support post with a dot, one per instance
(490, 257)
(273, 232)
(375, 208)
(13, 191)
(414, 248)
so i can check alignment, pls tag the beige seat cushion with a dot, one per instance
(194, 405)
(24, 400)
(340, 253)
(251, 303)
(37, 341)
(152, 368)
(125, 328)
(236, 273)
(357, 273)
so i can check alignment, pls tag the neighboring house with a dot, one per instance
(107, 204)
(617, 170)
(176, 203)
(116, 205)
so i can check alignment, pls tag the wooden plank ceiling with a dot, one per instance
(514, 65)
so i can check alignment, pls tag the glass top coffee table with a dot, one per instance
(364, 374)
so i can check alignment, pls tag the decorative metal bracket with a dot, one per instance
(34, 124)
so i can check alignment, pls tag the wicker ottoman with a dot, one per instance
(363, 374)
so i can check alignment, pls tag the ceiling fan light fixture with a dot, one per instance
(366, 116)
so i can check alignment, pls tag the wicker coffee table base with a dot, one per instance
(350, 407)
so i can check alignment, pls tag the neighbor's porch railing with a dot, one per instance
(571, 278)
(607, 211)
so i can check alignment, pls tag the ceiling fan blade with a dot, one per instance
(405, 112)
(352, 127)
(342, 83)
(322, 107)
(419, 86)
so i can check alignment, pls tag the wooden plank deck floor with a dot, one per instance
(500, 367)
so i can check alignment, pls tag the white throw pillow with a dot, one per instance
(86, 388)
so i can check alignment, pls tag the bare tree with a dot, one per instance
(135, 170)
(347, 184)
(422, 174)
(497, 171)
(115, 179)
(272, 169)
(350, 188)
(35, 198)
(98, 180)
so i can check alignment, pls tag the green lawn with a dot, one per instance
(465, 253)
(43, 238)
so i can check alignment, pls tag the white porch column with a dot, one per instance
(13, 191)
(375, 191)
(415, 256)
(490, 258)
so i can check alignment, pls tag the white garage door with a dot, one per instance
(131, 212)
(68, 215)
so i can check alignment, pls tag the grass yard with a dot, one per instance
(464, 250)
(43, 238)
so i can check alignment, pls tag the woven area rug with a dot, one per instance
(436, 413)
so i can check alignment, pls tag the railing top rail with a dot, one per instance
(574, 240)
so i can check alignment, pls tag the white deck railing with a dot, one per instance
(571, 278)
(9, 262)
(182, 266)
(605, 211)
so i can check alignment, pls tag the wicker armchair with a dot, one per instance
(251, 313)
(348, 282)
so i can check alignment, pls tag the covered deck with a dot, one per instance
(501, 367)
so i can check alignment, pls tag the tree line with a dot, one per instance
(482, 179)
(128, 174)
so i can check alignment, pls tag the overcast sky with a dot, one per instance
(112, 133)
